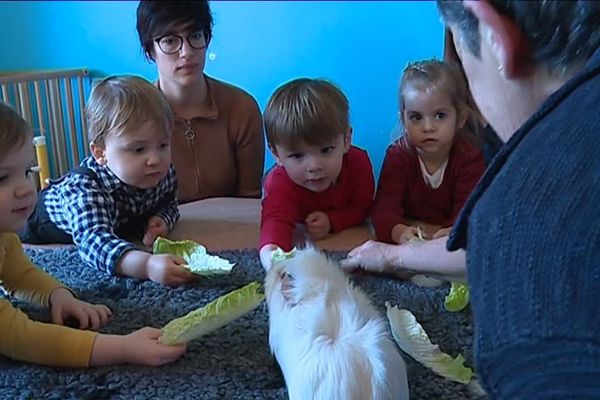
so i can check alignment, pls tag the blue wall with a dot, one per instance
(362, 46)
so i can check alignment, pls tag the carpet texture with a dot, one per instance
(234, 362)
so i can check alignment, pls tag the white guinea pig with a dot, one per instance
(329, 340)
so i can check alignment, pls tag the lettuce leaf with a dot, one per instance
(198, 260)
(213, 316)
(279, 255)
(413, 340)
(458, 298)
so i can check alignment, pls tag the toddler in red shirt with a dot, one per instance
(320, 179)
(430, 171)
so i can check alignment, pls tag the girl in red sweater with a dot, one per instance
(430, 171)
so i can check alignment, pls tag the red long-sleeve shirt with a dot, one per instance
(403, 194)
(347, 203)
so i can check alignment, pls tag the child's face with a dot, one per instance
(139, 157)
(17, 192)
(430, 120)
(315, 168)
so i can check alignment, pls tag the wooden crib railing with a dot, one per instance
(53, 102)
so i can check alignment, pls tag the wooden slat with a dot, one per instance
(84, 131)
(42, 75)
(71, 122)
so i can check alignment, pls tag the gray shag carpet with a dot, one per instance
(234, 362)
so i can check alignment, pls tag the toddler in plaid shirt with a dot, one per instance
(123, 192)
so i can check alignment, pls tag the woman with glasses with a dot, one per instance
(218, 142)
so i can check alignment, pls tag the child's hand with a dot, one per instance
(140, 347)
(64, 306)
(168, 269)
(156, 227)
(442, 232)
(143, 348)
(317, 225)
(404, 233)
(266, 255)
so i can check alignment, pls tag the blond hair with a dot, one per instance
(439, 76)
(310, 111)
(14, 130)
(121, 103)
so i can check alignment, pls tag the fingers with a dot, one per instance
(350, 264)
(151, 333)
(82, 317)
(177, 260)
(103, 312)
(148, 239)
(93, 318)
(56, 314)
(172, 353)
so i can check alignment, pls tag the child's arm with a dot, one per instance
(26, 282)
(56, 345)
(140, 347)
(363, 186)
(278, 212)
(165, 269)
(92, 214)
(22, 279)
(265, 254)
(388, 210)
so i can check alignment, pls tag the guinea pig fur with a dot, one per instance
(329, 340)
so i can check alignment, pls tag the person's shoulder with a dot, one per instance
(277, 178)
(399, 151)
(87, 178)
(357, 155)
(231, 94)
(463, 149)
(8, 240)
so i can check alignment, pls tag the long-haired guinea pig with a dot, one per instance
(329, 340)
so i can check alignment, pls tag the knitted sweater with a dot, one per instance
(532, 237)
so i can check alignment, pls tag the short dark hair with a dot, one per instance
(157, 18)
(560, 33)
(14, 130)
(304, 110)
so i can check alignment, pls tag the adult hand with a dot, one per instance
(156, 227)
(64, 306)
(168, 269)
(317, 225)
(405, 233)
(377, 257)
(442, 232)
(142, 347)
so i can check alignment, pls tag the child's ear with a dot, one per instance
(275, 154)
(348, 139)
(98, 153)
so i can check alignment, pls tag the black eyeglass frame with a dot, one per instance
(181, 38)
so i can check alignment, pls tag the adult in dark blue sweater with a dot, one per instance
(531, 227)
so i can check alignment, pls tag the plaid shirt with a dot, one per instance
(90, 209)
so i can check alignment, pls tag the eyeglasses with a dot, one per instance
(172, 44)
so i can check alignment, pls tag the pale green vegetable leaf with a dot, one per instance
(458, 298)
(213, 316)
(195, 255)
(279, 255)
(413, 340)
